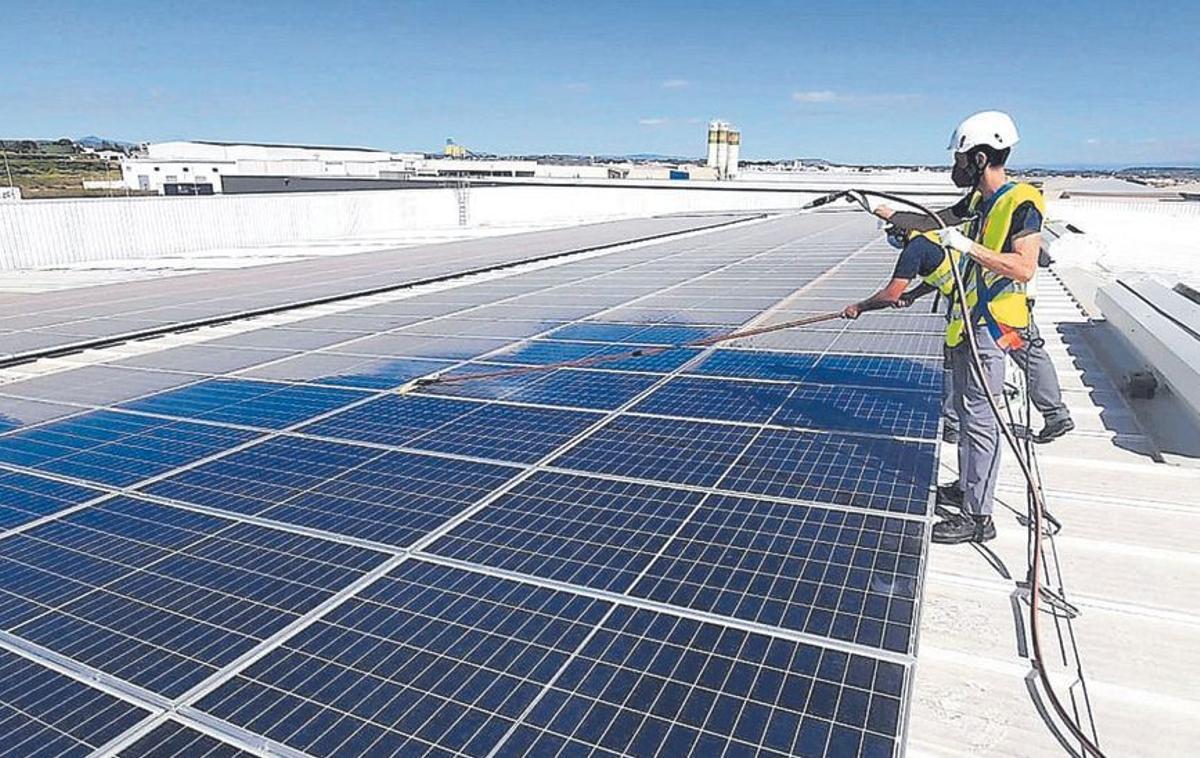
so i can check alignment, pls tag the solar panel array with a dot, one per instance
(708, 551)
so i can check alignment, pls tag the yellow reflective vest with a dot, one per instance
(1003, 298)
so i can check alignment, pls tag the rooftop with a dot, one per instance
(259, 532)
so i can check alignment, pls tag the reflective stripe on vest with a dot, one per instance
(1003, 298)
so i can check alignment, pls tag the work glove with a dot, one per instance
(955, 240)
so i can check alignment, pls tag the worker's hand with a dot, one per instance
(851, 311)
(955, 240)
(884, 212)
(902, 302)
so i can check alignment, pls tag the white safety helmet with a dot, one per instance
(992, 128)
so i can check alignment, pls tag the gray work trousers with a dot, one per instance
(979, 432)
(1044, 391)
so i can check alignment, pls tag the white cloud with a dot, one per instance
(653, 121)
(675, 83)
(1092, 141)
(577, 86)
(816, 96)
(827, 96)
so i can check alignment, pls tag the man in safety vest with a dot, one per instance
(996, 256)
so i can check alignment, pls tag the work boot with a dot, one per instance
(950, 495)
(960, 528)
(1053, 430)
(950, 435)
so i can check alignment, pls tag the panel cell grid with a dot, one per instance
(47, 714)
(757, 364)
(172, 738)
(876, 371)
(878, 474)
(428, 659)
(25, 498)
(160, 597)
(591, 532)
(847, 576)
(653, 684)
(904, 413)
(116, 448)
(262, 404)
(666, 450)
(747, 402)
(388, 497)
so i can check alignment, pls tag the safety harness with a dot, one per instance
(997, 302)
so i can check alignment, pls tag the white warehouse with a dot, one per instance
(197, 168)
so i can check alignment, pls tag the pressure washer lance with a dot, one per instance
(641, 352)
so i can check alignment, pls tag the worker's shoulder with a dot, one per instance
(1024, 192)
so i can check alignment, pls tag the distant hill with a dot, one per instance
(99, 143)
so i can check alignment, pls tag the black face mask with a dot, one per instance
(966, 172)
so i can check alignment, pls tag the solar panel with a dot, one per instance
(578, 388)
(749, 402)
(45, 713)
(590, 532)
(540, 352)
(829, 573)
(115, 448)
(25, 498)
(389, 497)
(866, 472)
(262, 404)
(666, 450)
(162, 597)
(745, 364)
(654, 684)
(903, 413)
(173, 738)
(426, 658)
(635, 558)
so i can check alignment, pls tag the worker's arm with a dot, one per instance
(1020, 265)
(916, 293)
(888, 297)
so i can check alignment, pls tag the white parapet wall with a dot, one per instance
(1162, 327)
(47, 233)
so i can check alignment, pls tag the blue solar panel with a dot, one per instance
(45, 713)
(426, 659)
(592, 532)
(162, 597)
(904, 413)
(879, 474)
(641, 334)
(746, 364)
(578, 388)
(263, 475)
(540, 352)
(507, 433)
(263, 404)
(847, 576)
(877, 371)
(653, 684)
(748, 402)
(685, 452)
(391, 420)
(116, 448)
(393, 498)
(24, 498)
(174, 739)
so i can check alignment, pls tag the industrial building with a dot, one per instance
(207, 168)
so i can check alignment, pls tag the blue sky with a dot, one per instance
(1096, 83)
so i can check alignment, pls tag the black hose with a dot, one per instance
(1035, 492)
